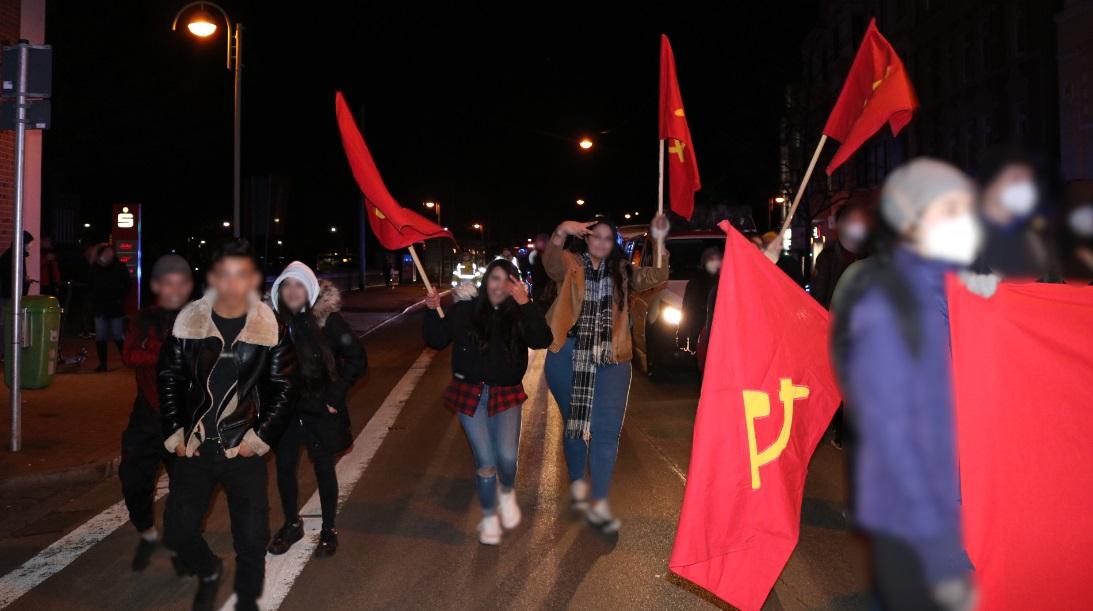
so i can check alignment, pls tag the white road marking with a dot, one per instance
(282, 571)
(63, 551)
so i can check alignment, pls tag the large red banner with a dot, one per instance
(1023, 363)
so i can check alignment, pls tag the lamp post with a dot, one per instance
(203, 25)
(435, 207)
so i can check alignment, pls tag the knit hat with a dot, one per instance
(912, 186)
(302, 274)
(171, 264)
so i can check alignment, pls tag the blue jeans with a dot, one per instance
(495, 443)
(109, 329)
(608, 411)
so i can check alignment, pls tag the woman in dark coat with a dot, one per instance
(329, 360)
(109, 283)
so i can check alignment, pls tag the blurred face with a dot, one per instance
(1012, 194)
(713, 264)
(948, 229)
(601, 241)
(293, 294)
(172, 291)
(106, 256)
(507, 254)
(497, 284)
(234, 279)
(540, 243)
(853, 228)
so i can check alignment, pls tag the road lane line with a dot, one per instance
(282, 571)
(65, 550)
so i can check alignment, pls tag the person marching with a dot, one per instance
(329, 359)
(492, 330)
(226, 385)
(588, 367)
(142, 449)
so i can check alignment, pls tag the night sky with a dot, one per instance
(478, 107)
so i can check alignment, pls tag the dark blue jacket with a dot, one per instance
(901, 399)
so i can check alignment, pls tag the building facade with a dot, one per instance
(1075, 35)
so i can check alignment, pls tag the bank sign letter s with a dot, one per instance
(757, 405)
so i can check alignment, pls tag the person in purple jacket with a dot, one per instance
(892, 355)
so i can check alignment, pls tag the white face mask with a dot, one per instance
(955, 240)
(1019, 198)
(1080, 221)
(713, 266)
(854, 233)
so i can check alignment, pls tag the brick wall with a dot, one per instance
(9, 33)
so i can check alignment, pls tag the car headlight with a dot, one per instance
(671, 315)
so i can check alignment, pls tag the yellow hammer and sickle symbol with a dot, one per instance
(379, 214)
(757, 405)
(877, 83)
(677, 148)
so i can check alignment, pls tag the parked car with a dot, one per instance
(656, 314)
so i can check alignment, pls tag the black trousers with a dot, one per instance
(192, 485)
(142, 453)
(898, 578)
(288, 458)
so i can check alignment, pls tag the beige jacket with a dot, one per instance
(567, 270)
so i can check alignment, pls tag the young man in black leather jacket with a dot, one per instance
(226, 379)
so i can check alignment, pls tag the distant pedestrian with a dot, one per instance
(588, 368)
(329, 359)
(696, 296)
(142, 450)
(543, 288)
(492, 332)
(226, 382)
(49, 277)
(892, 355)
(109, 284)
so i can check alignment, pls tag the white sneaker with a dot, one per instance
(599, 516)
(489, 530)
(578, 493)
(508, 509)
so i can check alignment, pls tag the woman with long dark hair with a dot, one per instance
(588, 367)
(491, 332)
(329, 359)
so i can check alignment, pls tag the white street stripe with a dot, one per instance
(63, 551)
(282, 571)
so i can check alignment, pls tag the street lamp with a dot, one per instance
(333, 230)
(434, 206)
(580, 202)
(585, 144)
(202, 25)
(481, 232)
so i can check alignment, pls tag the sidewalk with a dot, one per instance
(72, 430)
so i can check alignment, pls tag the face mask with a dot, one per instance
(713, 266)
(1081, 221)
(854, 233)
(956, 240)
(1019, 198)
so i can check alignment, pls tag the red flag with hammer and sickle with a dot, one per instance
(682, 164)
(877, 91)
(394, 226)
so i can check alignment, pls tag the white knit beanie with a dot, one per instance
(302, 274)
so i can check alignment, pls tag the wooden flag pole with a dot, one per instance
(424, 276)
(660, 199)
(772, 249)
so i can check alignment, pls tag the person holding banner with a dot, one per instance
(891, 353)
(492, 329)
(588, 367)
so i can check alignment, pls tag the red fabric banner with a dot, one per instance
(682, 164)
(767, 398)
(394, 226)
(877, 91)
(1024, 397)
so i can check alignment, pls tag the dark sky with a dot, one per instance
(477, 106)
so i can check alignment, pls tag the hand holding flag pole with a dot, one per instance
(424, 277)
(772, 249)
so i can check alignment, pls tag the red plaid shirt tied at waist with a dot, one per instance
(463, 397)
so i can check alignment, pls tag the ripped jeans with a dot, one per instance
(495, 443)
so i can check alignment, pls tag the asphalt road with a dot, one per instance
(407, 525)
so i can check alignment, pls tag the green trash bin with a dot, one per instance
(41, 333)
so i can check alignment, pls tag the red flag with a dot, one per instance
(682, 164)
(759, 420)
(1024, 388)
(394, 226)
(877, 91)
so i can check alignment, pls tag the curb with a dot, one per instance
(79, 474)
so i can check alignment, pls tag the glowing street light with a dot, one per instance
(87, 225)
(780, 199)
(626, 216)
(477, 226)
(435, 206)
(585, 144)
(227, 223)
(201, 25)
(580, 202)
(333, 230)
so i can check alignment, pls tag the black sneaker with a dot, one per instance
(208, 587)
(328, 543)
(143, 556)
(181, 570)
(290, 533)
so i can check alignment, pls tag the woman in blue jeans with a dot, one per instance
(588, 368)
(491, 331)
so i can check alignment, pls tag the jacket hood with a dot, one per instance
(301, 273)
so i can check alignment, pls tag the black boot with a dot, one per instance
(143, 555)
(328, 543)
(100, 347)
(290, 533)
(181, 570)
(208, 587)
(246, 604)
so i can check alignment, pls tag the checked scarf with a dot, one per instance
(591, 349)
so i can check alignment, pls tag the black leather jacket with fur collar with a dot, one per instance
(262, 404)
